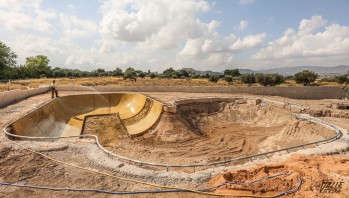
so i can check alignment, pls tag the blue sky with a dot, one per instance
(157, 34)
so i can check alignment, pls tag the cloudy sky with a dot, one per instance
(156, 34)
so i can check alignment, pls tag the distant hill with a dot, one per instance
(247, 71)
(286, 71)
(202, 72)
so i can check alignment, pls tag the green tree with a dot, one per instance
(118, 72)
(269, 79)
(7, 59)
(194, 76)
(130, 73)
(38, 66)
(183, 73)
(140, 74)
(343, 79)
(228, 78)
(168, 72)
(213, 78)
(174, 76)
(152, 75)
(248, 79)
(232, 72)
(305, 77)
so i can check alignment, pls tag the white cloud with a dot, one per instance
(308, 26)
(213, 49)
(243, 25)
(18, 15)
(163, 25)
(245, 2)
(24, 44)
(308, 45)
(249, 41)
(75, 27)
(158, 24)
(80, 60)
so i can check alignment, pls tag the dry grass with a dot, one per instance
(8, 87)
(113, 81)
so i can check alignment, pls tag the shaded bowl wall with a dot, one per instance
(64, 116)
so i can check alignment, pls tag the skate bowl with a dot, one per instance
(212, 130)
(66, 116)
(190, 133)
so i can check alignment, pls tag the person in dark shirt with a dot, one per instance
(53, 89)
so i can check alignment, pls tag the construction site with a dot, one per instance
(175, 142)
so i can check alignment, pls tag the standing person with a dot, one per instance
(53, 89)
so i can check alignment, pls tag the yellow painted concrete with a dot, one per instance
(150, 119)
(64, 116)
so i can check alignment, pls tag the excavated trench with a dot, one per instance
(194, 132)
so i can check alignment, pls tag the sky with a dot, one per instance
(157, 34)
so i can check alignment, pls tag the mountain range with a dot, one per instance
(286, 71)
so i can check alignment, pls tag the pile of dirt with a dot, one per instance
(108, 128)
(328, 112)
(322, 176)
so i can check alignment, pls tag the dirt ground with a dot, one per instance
(24, 167)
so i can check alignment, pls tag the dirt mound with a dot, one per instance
(108, 128)
(322, 176)
(209, 132)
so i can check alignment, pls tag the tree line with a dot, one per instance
(38, 67)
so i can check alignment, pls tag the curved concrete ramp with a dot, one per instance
(65, 116)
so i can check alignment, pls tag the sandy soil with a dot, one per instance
(211, 132)
(21, 166)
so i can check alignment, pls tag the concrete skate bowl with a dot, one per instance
(191, 133)
(207, 132)
(122, 113)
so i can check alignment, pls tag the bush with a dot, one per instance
(130, 75)
(248, 79)
(213, 79)
(140, 74)
(269, 79)
(195, 76)
(341, 79)
(328, 79)
(228, 78)
(152, 75)
(174, 76)
(232, 72)
(305, 77)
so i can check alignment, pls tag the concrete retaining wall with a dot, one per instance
(10, 97)
(290, 92)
